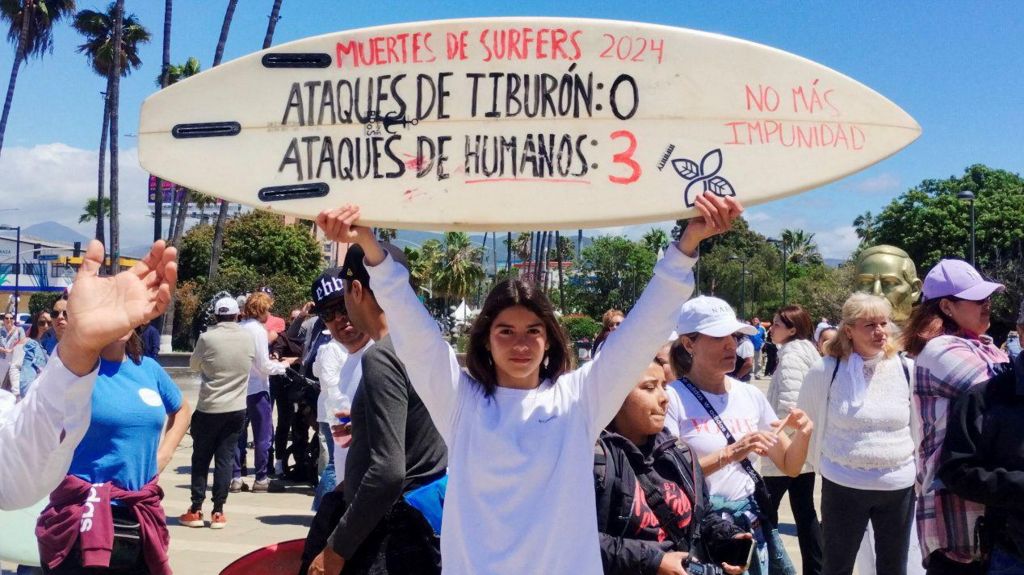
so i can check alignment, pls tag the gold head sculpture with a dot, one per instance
(889, 272)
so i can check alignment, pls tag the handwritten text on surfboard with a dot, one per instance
(390, 106)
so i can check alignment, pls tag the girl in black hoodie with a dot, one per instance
(646, 478)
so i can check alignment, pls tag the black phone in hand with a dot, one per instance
(736, 552)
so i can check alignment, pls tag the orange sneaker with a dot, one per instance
(218, 521)
(192, 519)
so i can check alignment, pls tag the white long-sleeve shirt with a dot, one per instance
(262, 366)
(520, 463)
(330, 359)
(34, 458)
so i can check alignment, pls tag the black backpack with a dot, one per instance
(682, 457)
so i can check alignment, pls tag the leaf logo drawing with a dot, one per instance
(706, 174)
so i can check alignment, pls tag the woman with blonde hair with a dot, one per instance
(258, 408)
(859, 397)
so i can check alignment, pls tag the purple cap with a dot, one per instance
(957, 278)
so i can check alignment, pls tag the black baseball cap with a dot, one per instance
(327, 288)
(355, 269)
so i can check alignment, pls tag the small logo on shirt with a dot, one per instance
(90, 509)
(546, 419)
(150, 397)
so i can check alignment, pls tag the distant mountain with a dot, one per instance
(54, 232)
(834, 262)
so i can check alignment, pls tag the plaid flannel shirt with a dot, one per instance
(946, 368)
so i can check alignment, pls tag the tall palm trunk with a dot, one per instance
(19, 58)
(222, 216)
(114, 96)
(579, 245)
(101, 172)
(508, 252)
(158, 203)
(272, 24)
(558, 253)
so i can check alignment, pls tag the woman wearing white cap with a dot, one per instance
(943, 334)
(728, 423)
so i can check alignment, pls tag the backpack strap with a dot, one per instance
(601, 488)
(903, 364)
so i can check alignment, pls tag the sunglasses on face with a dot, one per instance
(333, 313)
(54, 313)
(43, 322)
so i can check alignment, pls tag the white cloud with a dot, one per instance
(52, 182)
(837, 242)
(880, 184)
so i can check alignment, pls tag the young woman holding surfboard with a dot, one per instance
(520, 426)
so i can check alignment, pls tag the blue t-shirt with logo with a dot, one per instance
(130, 404)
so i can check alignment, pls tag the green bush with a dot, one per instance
(42, 301)
(580, 326)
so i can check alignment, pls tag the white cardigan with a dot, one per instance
(795, 359)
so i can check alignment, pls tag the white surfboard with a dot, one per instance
(514, 124)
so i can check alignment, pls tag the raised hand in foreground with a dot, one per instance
(103, 309)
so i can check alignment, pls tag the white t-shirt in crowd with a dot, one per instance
(746, 348)
(351, 375)
(743, 409)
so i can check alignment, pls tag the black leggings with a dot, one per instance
(801, 501)
(845, 513)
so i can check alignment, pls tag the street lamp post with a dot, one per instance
(17, 264)
(743, 284)
(968, 196)
(781, 244)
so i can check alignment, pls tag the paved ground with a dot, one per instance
(256, 520)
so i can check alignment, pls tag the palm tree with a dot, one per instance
(222, 216)
(655, 240)
(461, 270)
(801, 247)
(865, 227)
(165, 64)
(202, 201)
(521, 245)
(272, 24)
(91, 212)
(30, 29)
(179, 206)
(98, 29)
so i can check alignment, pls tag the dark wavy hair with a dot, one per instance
(926, 323)
(507, 294)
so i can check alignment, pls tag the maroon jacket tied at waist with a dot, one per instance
(80, 511)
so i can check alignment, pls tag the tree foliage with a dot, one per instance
(929, 222)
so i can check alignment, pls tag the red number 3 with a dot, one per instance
(626, 158)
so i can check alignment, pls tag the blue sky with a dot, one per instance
(956, 67)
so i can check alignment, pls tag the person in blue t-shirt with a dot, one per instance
(133, 401)
(758, 340)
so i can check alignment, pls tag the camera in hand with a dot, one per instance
(695, 568)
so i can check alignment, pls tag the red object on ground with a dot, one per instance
(284, 557)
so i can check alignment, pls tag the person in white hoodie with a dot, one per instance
(791, 330)
(860, 397)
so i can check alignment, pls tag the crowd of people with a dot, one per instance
(486, 466)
